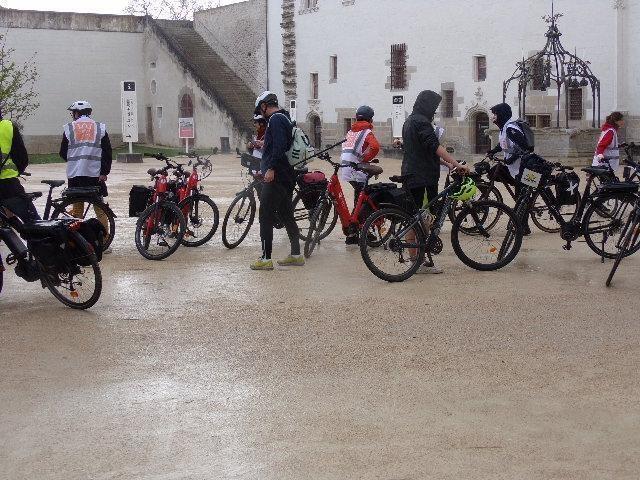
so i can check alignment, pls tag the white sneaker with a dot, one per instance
(429, 270)
(107, 251)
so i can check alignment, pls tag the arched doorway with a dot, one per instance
(186, 111)
(482, 142)
(316, 131)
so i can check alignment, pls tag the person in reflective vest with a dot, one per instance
(608, 148)
(361, 146)
(13, 162)
(87, 150)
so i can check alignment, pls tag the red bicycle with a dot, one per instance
(161, 226)
(200, 212)
(351, 221)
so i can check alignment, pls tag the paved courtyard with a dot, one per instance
(198, 368)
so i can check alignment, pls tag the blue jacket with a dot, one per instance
(277, 141)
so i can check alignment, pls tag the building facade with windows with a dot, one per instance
(330, 56)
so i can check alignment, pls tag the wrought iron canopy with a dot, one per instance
(554, 67)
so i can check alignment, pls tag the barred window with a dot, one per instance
(575, 104)
(447, 103)
(481, 68)
(532, 120)
(544, 121)
(399, 66)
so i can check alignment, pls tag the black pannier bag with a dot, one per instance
(93, 232)
(139, 197)
(46, 241)
(567, 188)
(387, 193)
(311, 185)
(536, 165)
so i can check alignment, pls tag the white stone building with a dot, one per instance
(333, 55)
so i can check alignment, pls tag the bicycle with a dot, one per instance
(410, 235)
(63, 207)
(598, 215)
(333, 199)
(628, 244)
(161, 226)
(56, 254)
(242, 211)
(199, 210)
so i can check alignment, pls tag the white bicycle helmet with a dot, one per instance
(80, 105)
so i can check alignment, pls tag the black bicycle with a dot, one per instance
(81, 203)
(404, 238)
(242, 212)
(56, 254)
(599, 215)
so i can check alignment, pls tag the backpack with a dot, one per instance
(300, 149)
(527, 132)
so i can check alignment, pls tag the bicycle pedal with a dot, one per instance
(566, 247)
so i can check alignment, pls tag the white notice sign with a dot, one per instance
(397, 116)
(129, 112)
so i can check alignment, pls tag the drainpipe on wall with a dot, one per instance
(266, 29)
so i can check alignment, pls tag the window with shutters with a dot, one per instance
(575, 104)
(399, 66)
(480, 68)
(447, 104)
(314, 86)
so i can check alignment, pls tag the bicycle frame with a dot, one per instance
(347, 217)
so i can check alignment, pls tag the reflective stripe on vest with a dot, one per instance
(352, 148)
(612, 152)
(84, 155)
(9, 169)
(508, 147)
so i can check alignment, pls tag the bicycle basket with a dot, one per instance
(250, 162)
(535, 171)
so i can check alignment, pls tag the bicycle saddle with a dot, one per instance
(34, 195)
(152, 172)
(53, 183)
(401, 178)
(370, 170)
(596, 170)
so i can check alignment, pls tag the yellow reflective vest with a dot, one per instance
(9, 169)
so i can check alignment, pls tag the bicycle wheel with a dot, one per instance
(485, 192)
(482, 248)
(78, 286)
(542, 217)
(91, 209)
(317, 225)
(398, 254)
(202, 216)
(302, 216)
(631, 237)
(160, 230)
(604, 228)
(238, 219)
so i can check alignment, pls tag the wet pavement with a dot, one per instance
(198, 368)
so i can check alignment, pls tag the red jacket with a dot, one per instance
(606, 140)
(371, 146)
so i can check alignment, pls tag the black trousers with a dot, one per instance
(276, 205)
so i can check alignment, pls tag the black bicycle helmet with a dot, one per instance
(365, 112)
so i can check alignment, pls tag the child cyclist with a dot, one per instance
(361, 146)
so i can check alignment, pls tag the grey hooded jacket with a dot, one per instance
(420, 142)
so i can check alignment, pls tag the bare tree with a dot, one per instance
(172, 9)
(18, 97)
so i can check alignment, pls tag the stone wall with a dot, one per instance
(238, 33)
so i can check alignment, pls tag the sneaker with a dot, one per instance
(262, 264)
(429, 270)
(107, 251)
(292, 261)
(352, 240)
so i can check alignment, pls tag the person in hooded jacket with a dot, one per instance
(513, 143)
(361, 146)
(423, 154)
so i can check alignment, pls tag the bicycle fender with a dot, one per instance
(107, 209)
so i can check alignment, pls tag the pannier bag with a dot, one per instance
(312, 185)
(535, 171)
(139, 197)
(93, 232)
(567, 188)
(250, 162)
(388, 193)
